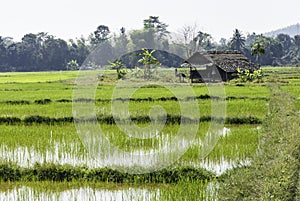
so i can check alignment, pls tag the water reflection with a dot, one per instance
(60, 152)
(25, 193)
(219, 166)
(27, 157)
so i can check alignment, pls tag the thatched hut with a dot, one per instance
(214, 66)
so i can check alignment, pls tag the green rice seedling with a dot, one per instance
(63, 190)
(237, 144)
(52, 110)
(187, 190)
(33, 77)
(35, 131)
(66, 173)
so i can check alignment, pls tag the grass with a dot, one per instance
(37, 77)
(60, 173)
(63, 108)
(42, 139)
(274, 171)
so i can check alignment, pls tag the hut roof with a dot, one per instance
(199, 59)
(229, 61)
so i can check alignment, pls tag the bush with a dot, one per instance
(247, 76)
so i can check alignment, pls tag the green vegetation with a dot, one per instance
(274, 171)
(39, 143)
(120, 68)
(258, 50)
(60, 173)
(44, 52)
(247, 76)
(149, 61)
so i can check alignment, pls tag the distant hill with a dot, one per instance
(290, 30)
(165, 58)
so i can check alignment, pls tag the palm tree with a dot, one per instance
(237, 41)
(257, 50)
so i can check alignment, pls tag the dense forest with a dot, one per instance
(43, 52)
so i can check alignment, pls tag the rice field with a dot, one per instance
(37, 132)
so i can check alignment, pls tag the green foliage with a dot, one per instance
(72, 65)
(44, 52)
(120, 67)
(257, 50)
(166, 59)
(148, 57)
(59, 173)
(237, 41)
(273, 50)
(247, 76)
(159, 28)
(149, 61)
(100, 35)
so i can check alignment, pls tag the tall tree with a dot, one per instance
(286, 41)
(273, 50)
(222, 46)
(193, 40)
(120, 43)
(13, 59)
(122, 30)
(31, 52)
(223, 41)
(142, 39)
(100, 35)
(202, 41)
(258, 50)
(3, 53)
(159, 28)
(237, 41)
(79, 50)
(297, 42)
(187, 35)
(56, 54)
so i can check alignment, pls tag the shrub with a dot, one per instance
(247, 76)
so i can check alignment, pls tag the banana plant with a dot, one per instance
(149, 61)
(120, 67)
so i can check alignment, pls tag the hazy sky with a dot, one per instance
(72, 18)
